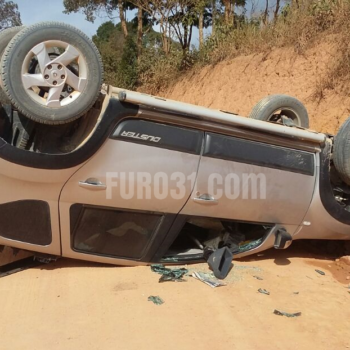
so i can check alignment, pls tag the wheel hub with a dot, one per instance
(55, 74)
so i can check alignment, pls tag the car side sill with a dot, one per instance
(219, 116)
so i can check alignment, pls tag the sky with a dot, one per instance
(33, 11)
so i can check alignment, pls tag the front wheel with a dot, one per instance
(341, 152)
(60, 88)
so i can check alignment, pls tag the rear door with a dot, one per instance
(251, 181)
(121, 203)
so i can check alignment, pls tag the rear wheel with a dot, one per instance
(281, 109)
(62, 88)
(5, 37)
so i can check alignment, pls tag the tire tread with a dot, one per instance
(341, 151)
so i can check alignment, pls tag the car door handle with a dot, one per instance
(92, 184)
(205, 199)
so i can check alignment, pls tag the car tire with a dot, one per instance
(341, 152)
(55, 76)
(267, 109)
(5, 37)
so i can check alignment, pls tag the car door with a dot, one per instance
(119, 205)
(252, 181)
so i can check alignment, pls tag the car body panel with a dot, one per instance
(119, 158)
(326, 218)
(269, 240)
(286, 200)
(19, 183)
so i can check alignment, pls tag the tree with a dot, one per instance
(104, 32)
(184, 15)
(206, 18)
(205, 11)
(200, 27)
(139, 32)
(229, 10)
(266, 13)
(227, 5)
(159, 12)
(214, 12)
(120, 54)
(277, 8)
(9, 14)
(92, 7)
(128, 72)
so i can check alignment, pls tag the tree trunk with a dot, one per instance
(295, 3)
(165, 43)
(227, 4)
(213, 18)
(200, 27)
(266, 13)
(233, 13)
(163, 30)
(139, 33)
(185, 42)
(276, 10)
(122, 18)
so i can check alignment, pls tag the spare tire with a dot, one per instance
(341, 152)
(5, 37)
(54, 94)
(273, 107)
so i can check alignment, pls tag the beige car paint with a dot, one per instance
(18, 183)
(119, 156)
(284, 190)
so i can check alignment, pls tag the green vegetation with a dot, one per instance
(9, 14)
(137, 56)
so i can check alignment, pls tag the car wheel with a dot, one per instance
(5, 37)
(274, 107)
(55, 93)
(341, 152)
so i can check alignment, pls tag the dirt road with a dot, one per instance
(75, 305)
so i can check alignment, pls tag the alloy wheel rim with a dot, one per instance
(55, 76)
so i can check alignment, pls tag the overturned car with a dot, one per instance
(115, 176)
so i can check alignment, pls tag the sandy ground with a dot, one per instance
(237, 85)
(76, 305)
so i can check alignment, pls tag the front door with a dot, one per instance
(118, 207)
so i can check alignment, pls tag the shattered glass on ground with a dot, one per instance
(156, 299)
(238, 273)
(174, 275)
(287, 314)
(207, 279)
